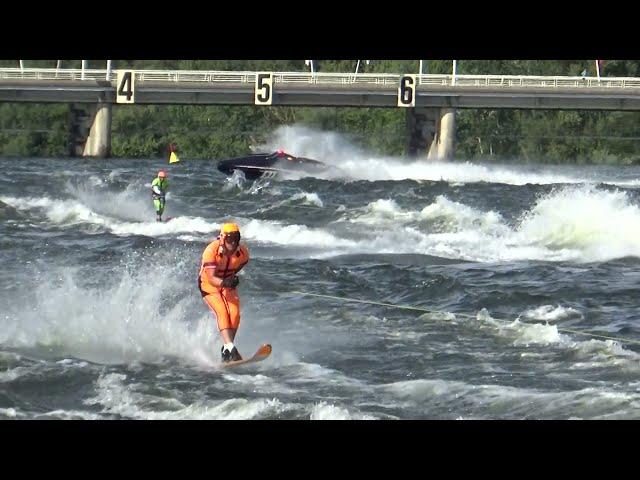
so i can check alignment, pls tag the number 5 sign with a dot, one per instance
(126, 87)
(264, 90)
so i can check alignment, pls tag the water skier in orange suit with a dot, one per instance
(218, 282)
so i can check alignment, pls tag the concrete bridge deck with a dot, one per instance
(323, 89)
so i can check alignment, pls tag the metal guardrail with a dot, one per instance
(384, 80)
(53, 74)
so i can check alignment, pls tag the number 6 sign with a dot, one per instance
(407, 91)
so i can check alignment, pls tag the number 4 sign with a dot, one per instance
(126, 87)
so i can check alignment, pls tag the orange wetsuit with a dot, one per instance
(223, 302)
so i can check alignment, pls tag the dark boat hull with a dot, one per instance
(254, 166)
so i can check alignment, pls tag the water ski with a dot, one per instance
(262, 353)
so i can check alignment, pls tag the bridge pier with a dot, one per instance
(431, 131)
(447, 134)
(99, 142)
(90, 130)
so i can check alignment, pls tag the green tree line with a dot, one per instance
(567, 136)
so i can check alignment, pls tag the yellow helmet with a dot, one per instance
(229, 227)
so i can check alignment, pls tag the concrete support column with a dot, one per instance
(99, 142)
(447, 134)
(431, 132)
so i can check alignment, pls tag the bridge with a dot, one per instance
(431, 99)
(323, 89)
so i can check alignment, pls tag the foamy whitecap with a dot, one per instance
(117, 397)
(512, 401)
(10, 413)
(278, 233)
(309, 198)
(325, 411)
(11, 374)
(597, 225)
(122, 321)
(550, 313)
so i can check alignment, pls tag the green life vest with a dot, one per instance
(161, 183)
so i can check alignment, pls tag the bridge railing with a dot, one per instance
(382, 80)
(538, 81)
(54, 74)
(388, 79)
